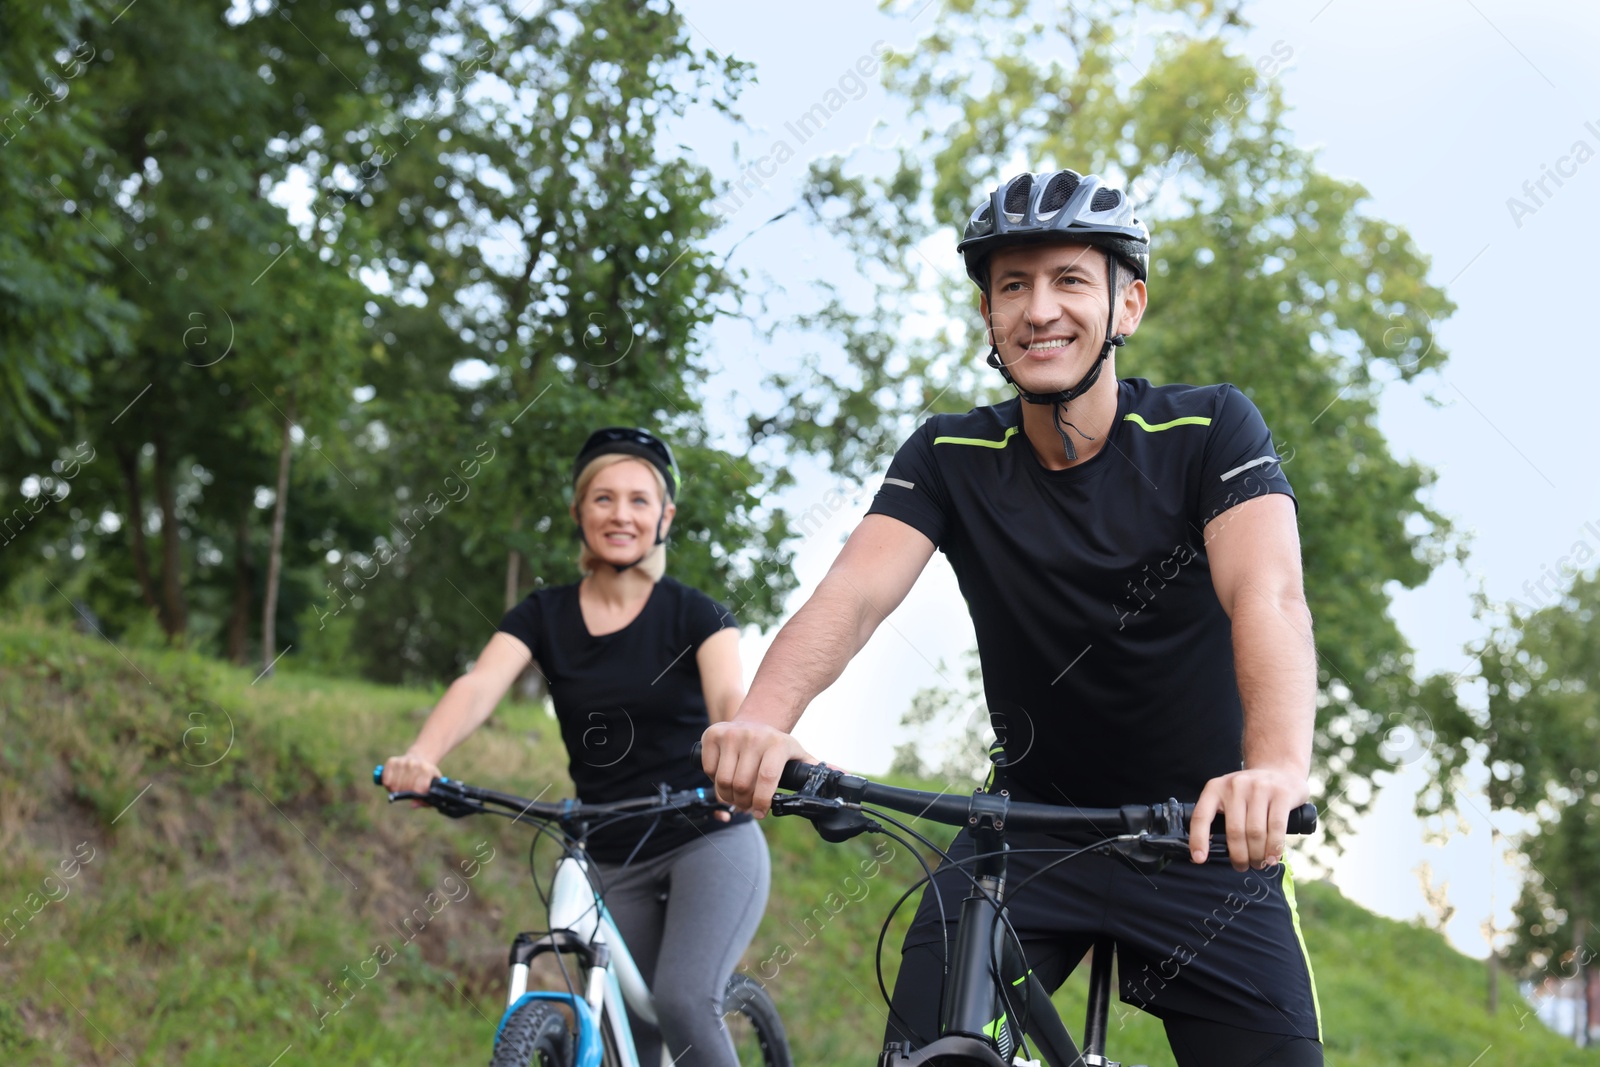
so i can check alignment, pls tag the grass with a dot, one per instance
(239, 891)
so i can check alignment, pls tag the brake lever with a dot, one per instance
(1159, 844)
(804, 805)
(456, 808)
(834, 822)
(452, 807)
(1149, 852)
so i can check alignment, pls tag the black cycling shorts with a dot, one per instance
(1194, 941)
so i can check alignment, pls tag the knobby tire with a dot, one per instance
(745, 997)
(536, 1035)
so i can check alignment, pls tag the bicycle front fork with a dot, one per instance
(593, 956)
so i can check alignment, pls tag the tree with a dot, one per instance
(1539, 737)
(196, 122)
(1556, 912)
(1265, 271)
(59, 311)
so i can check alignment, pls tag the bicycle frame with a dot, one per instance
(976, 1022)
(579, 925)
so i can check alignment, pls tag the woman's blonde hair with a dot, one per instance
(655, 563)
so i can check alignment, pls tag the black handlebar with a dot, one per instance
(958, 810)
(457, 799)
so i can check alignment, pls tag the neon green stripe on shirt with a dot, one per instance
(980, 442)
(1188, 420)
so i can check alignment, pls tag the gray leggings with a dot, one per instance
(687, 916)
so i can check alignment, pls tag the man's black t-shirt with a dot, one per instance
(1107, 658)
(629, 703)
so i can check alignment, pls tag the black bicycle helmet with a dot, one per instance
(628, 441)
(1055, 206)
(631, 442)
(1061, 206)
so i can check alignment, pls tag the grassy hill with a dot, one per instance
(199, 872)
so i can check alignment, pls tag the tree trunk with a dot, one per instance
(128, 460)
(1580, 1012)
(513, 566)
(175, 613)
(269, 623)
(1591, 990)
(1488, 925)
(239, 618)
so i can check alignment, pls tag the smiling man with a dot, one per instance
(1130, 558)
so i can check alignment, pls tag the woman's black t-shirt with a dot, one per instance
(629, 703)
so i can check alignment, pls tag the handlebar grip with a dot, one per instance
(794, 775)
(1302, 820)
(377, 775)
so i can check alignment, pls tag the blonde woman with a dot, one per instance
(639, 665)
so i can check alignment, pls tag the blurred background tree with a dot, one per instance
(58, 311)
(1539, 737)
(289, 273)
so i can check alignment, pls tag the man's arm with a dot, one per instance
(1254, 550)
(875, 570)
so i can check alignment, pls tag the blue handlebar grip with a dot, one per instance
(377, 775)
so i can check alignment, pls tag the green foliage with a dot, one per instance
(486, 182)
(1543, 726)
(1555, 912)
(1540, 739)
(60, 311)
(1265, 271)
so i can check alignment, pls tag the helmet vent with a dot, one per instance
(1105, 200)
(982, 223)
(1017, 194)
(1058, 192)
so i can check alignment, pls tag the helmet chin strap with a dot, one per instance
(1061, 399)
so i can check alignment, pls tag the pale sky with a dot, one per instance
(1442, 109)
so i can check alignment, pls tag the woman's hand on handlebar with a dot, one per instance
(409, 774)
(744, 760)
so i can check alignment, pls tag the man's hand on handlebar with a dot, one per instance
(410, 774)
(1256, 804)
(744, 760)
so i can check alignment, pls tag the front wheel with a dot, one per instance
(536, 1035)
(753, 1022)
